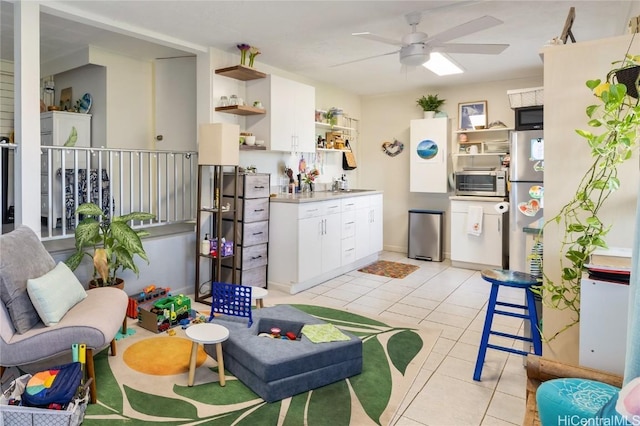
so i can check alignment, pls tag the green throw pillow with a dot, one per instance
(54, 293)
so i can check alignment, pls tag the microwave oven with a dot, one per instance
(529, 118)
(488, 183)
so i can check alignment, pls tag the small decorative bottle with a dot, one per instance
(205, 245)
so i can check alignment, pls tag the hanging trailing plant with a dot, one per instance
(614, 134)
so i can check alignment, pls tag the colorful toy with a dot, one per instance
(290, 335)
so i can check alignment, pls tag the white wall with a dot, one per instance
(387, 117)
(129, 100)
(171, 264)
(87, 79)
(567, 157)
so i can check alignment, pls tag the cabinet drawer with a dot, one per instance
(46, 124)
(46, 139)
(310, 210)
(331, 207)
(348, 204)
(249, 210)
(248, 235)
(360, 202)
(256, 186)
(250, 257)
(256, 277)
(249, 185)
(348, 224)
(255, 233)
(348, 248)
(255, 210)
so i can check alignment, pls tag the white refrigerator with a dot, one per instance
(526, 202)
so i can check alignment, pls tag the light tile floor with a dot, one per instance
(454, 301)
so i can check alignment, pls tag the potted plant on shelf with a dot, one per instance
(110, 242)
(430, 104)
(615, 121)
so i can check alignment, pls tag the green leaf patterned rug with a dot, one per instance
(393, 356)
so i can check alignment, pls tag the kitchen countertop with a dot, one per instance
(477, 198)
(310, 197)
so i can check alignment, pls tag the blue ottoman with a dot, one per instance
(572, 401)
(276, 368)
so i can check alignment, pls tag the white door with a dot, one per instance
(175, 129)
(175, 96)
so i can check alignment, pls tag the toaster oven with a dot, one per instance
(489, 183)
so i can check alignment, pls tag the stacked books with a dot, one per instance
(612, 264)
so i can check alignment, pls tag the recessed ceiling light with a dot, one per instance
(442, 65)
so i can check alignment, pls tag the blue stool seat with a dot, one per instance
(503, 277)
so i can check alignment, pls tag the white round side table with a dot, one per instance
(258, 294)
(206, 333)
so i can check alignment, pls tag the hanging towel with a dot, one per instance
(474, 220)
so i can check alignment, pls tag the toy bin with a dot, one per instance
(31, 416)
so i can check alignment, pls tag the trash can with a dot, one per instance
(425, 235)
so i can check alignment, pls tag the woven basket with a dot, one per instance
(629, 77)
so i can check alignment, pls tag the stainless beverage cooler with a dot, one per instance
(425, 235)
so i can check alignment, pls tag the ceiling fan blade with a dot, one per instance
(364, 59)
(467, 28)
(482, 49)
(374, 37)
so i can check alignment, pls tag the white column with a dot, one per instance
(27, 113)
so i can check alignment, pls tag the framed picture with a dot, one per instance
(472, 115)
(65, 99)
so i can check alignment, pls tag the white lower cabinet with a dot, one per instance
(488, 249)
(368, 235)
(313, 242)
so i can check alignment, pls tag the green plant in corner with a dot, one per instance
(615, 124)
(110, 242)
(430, 103)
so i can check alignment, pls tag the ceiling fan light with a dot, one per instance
(414, 54)
(441, 65)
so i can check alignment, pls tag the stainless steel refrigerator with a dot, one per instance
(526, 202)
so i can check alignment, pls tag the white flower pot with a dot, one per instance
(429, 114)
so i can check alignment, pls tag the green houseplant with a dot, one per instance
(110, 242)
(430, 103)
(614, 134)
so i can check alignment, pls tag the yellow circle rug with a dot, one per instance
(162, 356)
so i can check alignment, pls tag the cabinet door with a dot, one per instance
(281, 113)
(288, 124)
(375, 226)
(309, 248)
(304, 109)
(362, 232)
(485, 249)
(331, 242)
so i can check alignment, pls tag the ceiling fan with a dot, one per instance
(416, 47)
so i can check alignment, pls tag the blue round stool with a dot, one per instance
(505, 278)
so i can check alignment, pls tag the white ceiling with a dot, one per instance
(306, 37)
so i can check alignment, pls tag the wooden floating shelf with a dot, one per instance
(329, 126)
(253, 148)
(333, 150)
(241, 72)
(241, 110)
